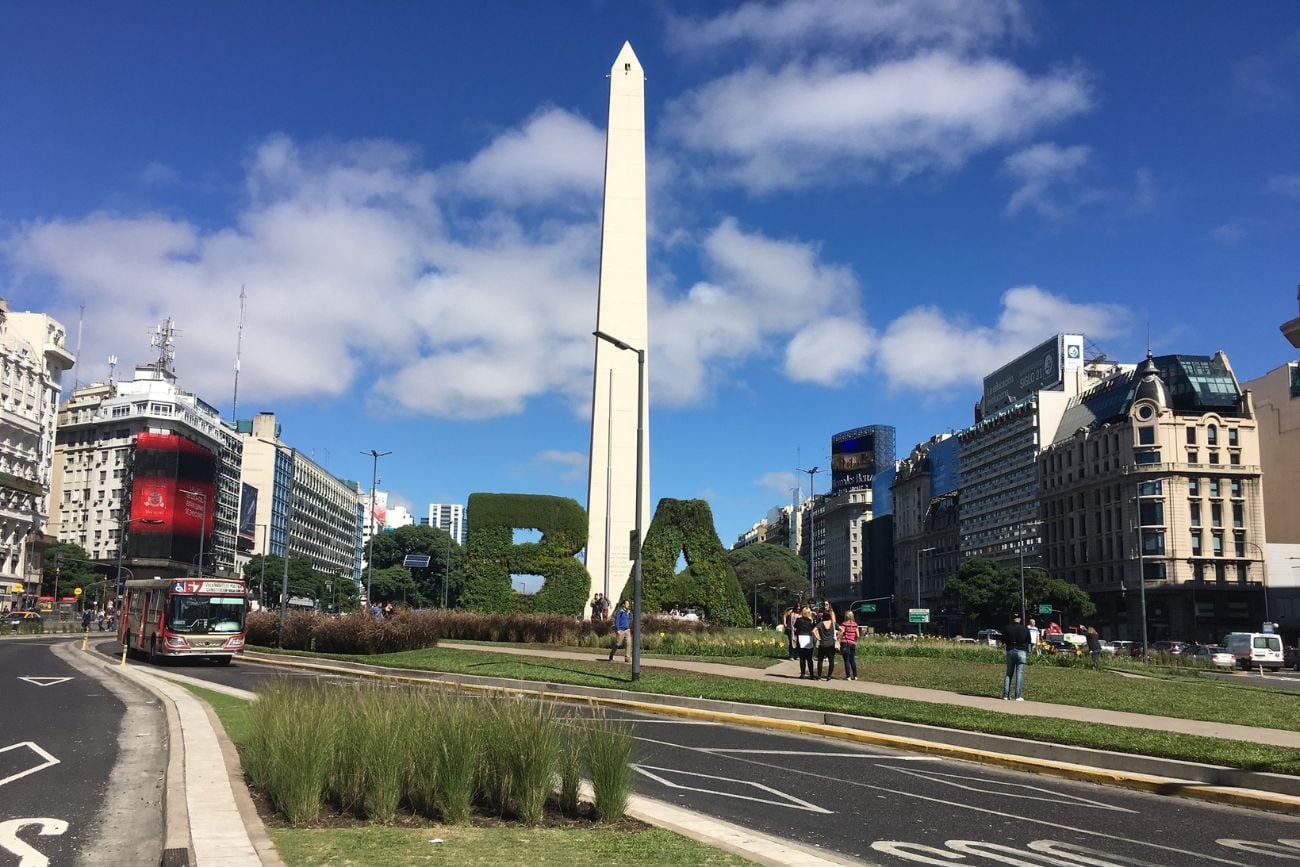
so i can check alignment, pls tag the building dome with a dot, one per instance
(1150, 386)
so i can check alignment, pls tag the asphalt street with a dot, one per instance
(890, 807)
(58, 746)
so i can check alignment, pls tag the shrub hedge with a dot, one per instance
(708, 582)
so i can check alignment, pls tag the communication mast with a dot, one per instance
(239, 348)
(164, 340)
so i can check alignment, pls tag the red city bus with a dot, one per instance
(167, 617)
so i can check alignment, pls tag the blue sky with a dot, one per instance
(858, 209)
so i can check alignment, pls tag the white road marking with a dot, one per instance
(917, 852)
(1055, 825)
(1007, 855)
(1001, 787)
(790, 800)
(45, 681)
(1287, 851)
(823, 755)
(1071, 853)
(49, 762)
(28, 856)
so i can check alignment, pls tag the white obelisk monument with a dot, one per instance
(621, 313)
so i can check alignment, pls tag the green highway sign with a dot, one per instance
(918, 615)
(868, 608)
(1044, 609)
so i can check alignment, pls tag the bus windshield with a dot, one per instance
(200, 615)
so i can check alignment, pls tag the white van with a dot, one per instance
(1255, 649)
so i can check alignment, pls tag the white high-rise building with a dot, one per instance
(448, 517)
(32, 362)
(399, 516)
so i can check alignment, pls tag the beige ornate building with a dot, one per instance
(1156, 473)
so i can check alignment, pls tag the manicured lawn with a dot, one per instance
(596, 652)
(398, 847)
(233, 712)
(1044, 682)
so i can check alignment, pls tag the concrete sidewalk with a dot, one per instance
(787, 672)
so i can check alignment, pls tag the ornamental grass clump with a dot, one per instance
(536, 736)
(423, 733)
(497, 745)
(456, 757)
(569, 766)
(609, 751)
(292, 749)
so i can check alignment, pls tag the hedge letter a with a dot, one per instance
(708, 582)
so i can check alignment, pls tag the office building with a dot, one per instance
(147, 472)
(32, 361)
(1152, 491)
(305, 509)
(450, 518)
(927, 544)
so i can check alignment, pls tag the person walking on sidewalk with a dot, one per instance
(787, 623)
(849, 646)
(826, 643)
(623, 626)
(803, 639)
(1015, 635)
(1094, 645)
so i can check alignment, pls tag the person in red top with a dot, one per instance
(849, 646)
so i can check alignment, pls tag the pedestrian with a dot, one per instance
(803, 633)
(388, 610)
(828, 611)
(1015, 635)
(623, 628)
(787, 624)
(85, 620)
(595, 607)
(1094, 645)
(849, 645)
(1035, 636)
(825, 630)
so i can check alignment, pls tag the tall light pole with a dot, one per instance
(1024, 612)
(640, 482)
(812, 529)
(375, 455)
(921, 552)
(1263, 571)
(203, 522)
(288, 526)
(756, 586)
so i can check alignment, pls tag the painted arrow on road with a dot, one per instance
(45, 681)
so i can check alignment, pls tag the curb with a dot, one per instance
(1184, 779)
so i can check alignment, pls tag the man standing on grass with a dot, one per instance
(1015, 635)
(623, 626)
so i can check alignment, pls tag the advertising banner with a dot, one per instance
(247, 518)
(173, 497)
(858, 454)
(1039, 369)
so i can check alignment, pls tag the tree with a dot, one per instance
(782, 572)
(445, 560)
(990, 594)
(69, 566)
(394, 584)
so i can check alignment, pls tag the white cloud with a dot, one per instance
(763, 292)
(1041, 171)
(1287, 185)
(572, 465)
(783, 482)
(828, 351)
(798, 23)
(1228, 233)
(928, 350)
(809, 123)
(554, 155)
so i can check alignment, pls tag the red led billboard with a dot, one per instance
(172, 484)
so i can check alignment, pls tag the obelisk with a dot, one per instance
(621, 313)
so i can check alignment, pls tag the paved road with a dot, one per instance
(890, 807)
(58, 747)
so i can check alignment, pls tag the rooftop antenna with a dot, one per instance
(76, 376)
(239, 348)
(164, 340)
(112, 366)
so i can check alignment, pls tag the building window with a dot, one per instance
(1147, 457)
(1152, 513)
(1232, 437)
(1235, 487)
(1193, 456)
(1234, 458)
(1191, 435)
(1216, 514)
(1196, 543)
(1196, 514)
(1239, 542)
(1217, 539)
(1153, 542)
(1214, 487)
(1212, 435)
(1214, 458)
(1146, 436)
(1153, 571)
(1237, 516)
(1193, 487)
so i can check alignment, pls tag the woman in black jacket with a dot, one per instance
(825, 631)
(804, 641)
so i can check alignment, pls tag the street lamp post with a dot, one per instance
(375, 455)
(919, 554)
(1263, 571)
(1024, 612)
(640, 483)
(756, 586)
(812, 529)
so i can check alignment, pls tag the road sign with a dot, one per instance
(419, 561)
(868, 608)
(1044, 609)
(76, 591)
(918, 615)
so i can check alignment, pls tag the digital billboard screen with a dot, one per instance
(173, 497)
(247, 518)
(1039, 369)
(858, 454)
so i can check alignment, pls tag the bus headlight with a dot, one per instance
(175, 642)
(235, 643)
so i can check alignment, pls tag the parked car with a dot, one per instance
(1171, 647)
(15, 619)
(1066, 643)
(990, 637)
(1291, 657)
(1121, 648)
(1255, 649)
(1216, 655)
